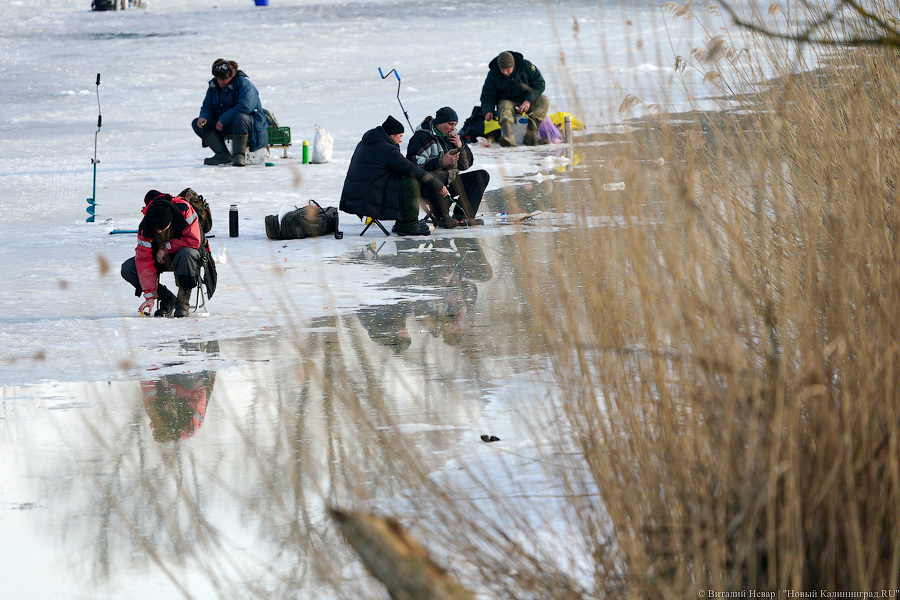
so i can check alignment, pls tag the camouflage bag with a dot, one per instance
(201, 207)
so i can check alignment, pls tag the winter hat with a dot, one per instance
(159, 215)
(223, 69)
(445, 115)
(392, 126)
(506, 60)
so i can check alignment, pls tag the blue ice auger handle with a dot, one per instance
(405, 114)
(92, 201)
(394, 71)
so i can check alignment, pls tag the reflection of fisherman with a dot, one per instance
(386, 325)
(177, 403)
(446, 315)
(528, 197)
(448, 270)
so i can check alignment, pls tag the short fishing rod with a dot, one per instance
(92, 201)
(405, 114)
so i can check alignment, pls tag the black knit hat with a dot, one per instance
(159, 215)
(392, 126)
(445, 115)
(506, 60)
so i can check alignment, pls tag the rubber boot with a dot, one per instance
(507, 134)
(165, 302)
(239, 149)
(216, 143)
(531, 134)
(182, 303)
(411, 228)
(443, 218)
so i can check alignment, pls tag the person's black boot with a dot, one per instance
(463, 220)
(446, 223)
(165, 302)
(182, 303)
(411, 228)
(216, 143)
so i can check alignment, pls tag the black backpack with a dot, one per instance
(308, 221)
(473, 127)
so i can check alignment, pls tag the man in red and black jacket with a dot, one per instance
(169, 239)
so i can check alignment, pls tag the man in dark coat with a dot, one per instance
(514, 85)
(437, 148)
(381, 183)
(231, 107)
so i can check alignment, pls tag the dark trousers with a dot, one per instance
(468, 189)
(240, 125)
(185, 264)
(410, 192)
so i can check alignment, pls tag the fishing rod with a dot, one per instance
(92, 201)
(405, 114)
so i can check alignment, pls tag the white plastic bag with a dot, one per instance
(323, 144)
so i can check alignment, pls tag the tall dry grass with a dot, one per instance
(729, 357)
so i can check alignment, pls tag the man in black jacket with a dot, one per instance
(437, 148)
(381, 183)
(514, 85)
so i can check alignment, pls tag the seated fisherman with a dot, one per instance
(231, 107)
(437, 148)
(381, 183)
(514, 85)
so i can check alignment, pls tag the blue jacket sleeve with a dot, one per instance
(207, 111)
(247, 101)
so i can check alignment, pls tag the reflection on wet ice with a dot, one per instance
(176, 403)
(150, 482)
(448, 269)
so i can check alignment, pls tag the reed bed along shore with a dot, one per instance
(727, 352)
(728, 358)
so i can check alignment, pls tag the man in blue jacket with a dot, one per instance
(514, 85)
(231, 107)
(383, 184)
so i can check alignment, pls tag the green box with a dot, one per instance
(279, 136)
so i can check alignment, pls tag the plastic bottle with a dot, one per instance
(305, 152)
